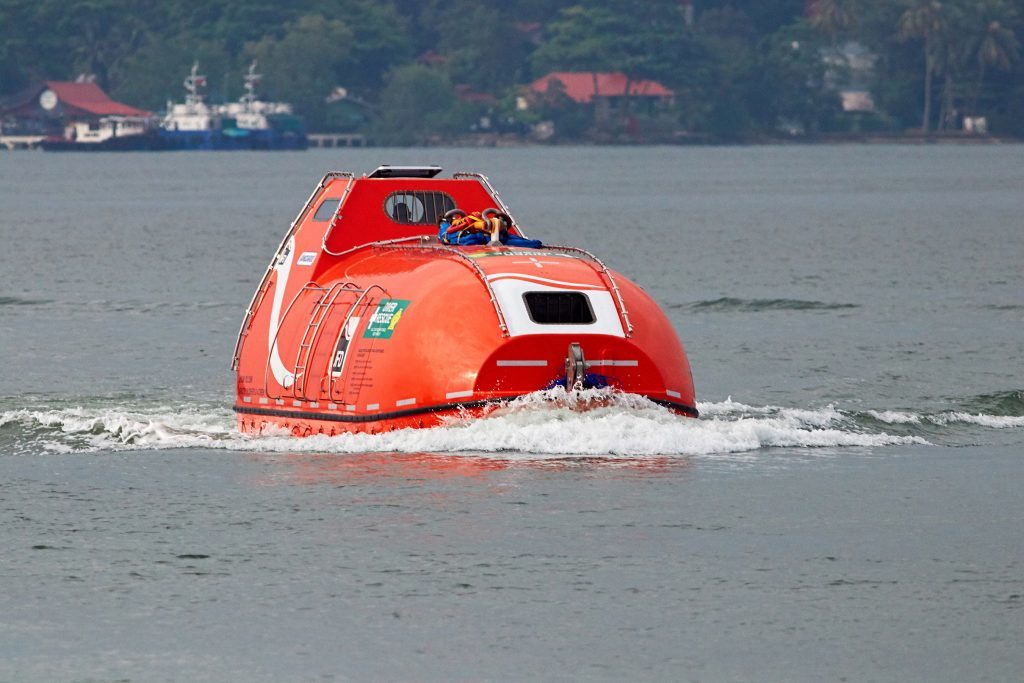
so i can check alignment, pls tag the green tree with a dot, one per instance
(837, 18)
(487, 52)
(641, 38)
(156, 72)
(16, 49)
(996, 46)
(101, 34)
(727, 99)
(304, 64)
(926, 21)
(794, 79)
(233, 24)
(767, 16)
(417, 105)
(380, 40)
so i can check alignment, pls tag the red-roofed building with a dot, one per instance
(606, 91)
(580, 86)
(50, 106)
(86, 99)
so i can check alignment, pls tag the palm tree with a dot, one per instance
(836, 17)
(952, 57)
(997, 47)
(925, 20)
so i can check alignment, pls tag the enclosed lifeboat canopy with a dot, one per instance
(400, 298)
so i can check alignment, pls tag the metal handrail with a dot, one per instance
(466, 261)
(619, 303)
(324, 310)
(344, 326)
(257, 297)
(482, 179)
(309, 286)
(429, 242)
(337, 215)
(425, 240)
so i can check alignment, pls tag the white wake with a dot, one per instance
(544, 424)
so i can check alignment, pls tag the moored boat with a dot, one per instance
(401, 299)
(192, 124)
(265, 125)
(107, 134)
(250, 123)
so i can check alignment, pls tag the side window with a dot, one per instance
(417, 208)
(326, 210)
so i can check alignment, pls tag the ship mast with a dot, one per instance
(251, 79)
(192, 84)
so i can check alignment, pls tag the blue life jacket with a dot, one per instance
(476, 238)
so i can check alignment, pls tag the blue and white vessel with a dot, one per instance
(249, 123)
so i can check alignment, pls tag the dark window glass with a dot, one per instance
(417, 208)
(559, 308)
(326, 210)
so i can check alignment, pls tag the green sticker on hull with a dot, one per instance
(385, 318)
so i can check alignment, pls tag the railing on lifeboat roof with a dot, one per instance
(607, 274)
(337, 216)
(482, 179)
(261, 291)
(462, 258)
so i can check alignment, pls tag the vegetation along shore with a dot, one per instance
(412, 72)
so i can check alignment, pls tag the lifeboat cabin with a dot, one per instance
(402, 299)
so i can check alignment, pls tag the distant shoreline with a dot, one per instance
(516, 141)
(484, 140)
(908, 139)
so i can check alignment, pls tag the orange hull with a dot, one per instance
(366, 322)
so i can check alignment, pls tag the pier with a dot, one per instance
(336, 140)
(12, 142)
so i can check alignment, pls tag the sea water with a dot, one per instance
(848, 507)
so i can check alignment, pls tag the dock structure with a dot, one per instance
(12, 142)
(336, 140)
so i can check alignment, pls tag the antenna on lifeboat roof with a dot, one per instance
(405, 172)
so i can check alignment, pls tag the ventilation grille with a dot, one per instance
(559, 308)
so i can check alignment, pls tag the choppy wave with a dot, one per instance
(1003, 307)
(1008, 403)
(948, 418)
(117, 305)
(21, 301)
(754, 305)
(1000, 410)
(542, 425)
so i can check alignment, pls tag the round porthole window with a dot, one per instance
(417, 207)
(404, 208)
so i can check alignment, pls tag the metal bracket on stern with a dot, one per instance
(575, 368)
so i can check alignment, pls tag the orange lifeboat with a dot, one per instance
(375, 314)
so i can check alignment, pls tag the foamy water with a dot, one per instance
(949, 418)
(540, 425)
